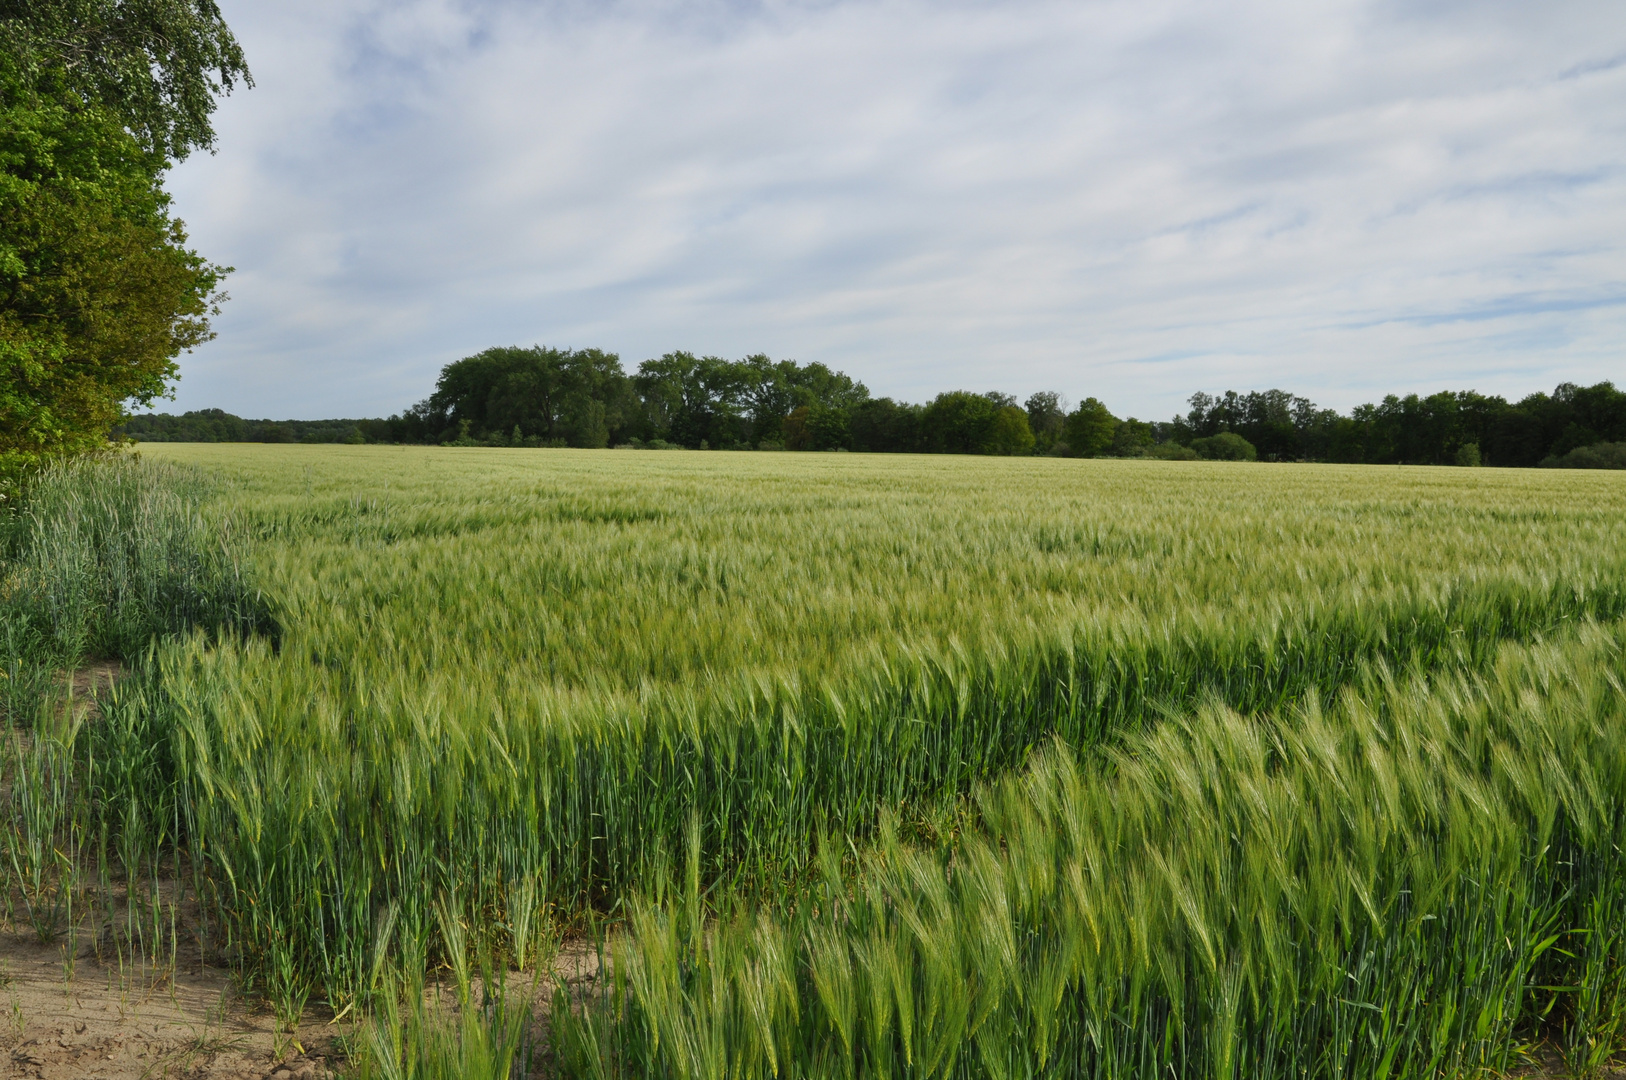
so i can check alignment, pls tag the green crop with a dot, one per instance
(392, 690)
(506, 675)
(1405, 884)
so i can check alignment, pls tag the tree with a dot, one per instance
(827, 427)
(692, 400)
(1047, 417)
(548, 396)
(1133, 438)
(749, 401)
(882, 425)
(1090, 429)
(98, 291)
(816, 427)
(154, 66)
(958, 422)
(1009, 434)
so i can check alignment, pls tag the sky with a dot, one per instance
(1128, 200)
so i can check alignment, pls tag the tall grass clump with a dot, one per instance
(108, 553)
(1414, 881)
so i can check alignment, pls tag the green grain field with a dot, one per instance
(861, 765)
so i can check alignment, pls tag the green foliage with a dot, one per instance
(575, 397)
(1047, 419)
(1414, 430)
(109, 557)
(217, 425)
(958, 422)
(1009, 434)
(1597, 456)
(690, 400)
(154, 66)
(1468, 456)
(108, 554)
(483, 1033)
(1226, 446)
(1090, 429)
(961, 422)
(1133, 438)
(816, 427)
(1170, 451)
(583, 398)
(98, 292)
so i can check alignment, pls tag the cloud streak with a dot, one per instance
(1132, 200)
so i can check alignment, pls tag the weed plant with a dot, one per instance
(486, 1032)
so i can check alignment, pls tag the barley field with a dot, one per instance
(856, 765)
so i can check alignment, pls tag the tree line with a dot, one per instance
(541, 397)
(217, 425)
(1568, 427)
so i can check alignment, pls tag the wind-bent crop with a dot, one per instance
(510, 685)
(1406, 883)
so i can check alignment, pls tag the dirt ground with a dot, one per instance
(99, 1026)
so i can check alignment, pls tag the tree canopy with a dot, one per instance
(99, 292)
(961, 422)
(1090, 428)
(157, 66)
(535, 396)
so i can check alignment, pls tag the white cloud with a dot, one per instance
(1132, 200)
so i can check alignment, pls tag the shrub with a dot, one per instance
(1226, 446)
(1604, 455)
